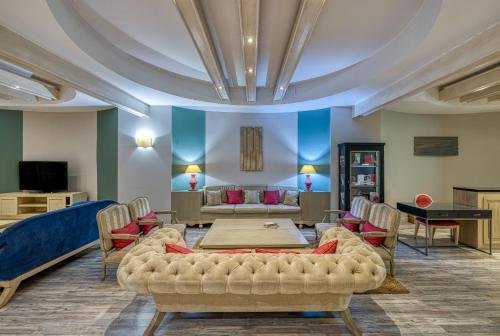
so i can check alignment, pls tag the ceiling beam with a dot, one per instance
(249, 22)
(494, 98)
(24, 53)
(194, 19)
(305, 21)
(7, 91)
(480, 94)
(472, 84)
(471, 56)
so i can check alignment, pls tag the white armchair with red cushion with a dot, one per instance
(141, 212)
(351, 220)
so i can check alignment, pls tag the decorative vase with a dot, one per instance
(192, 182)
(308, 183)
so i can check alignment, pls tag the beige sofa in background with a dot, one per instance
(192, 207)
(208, 282)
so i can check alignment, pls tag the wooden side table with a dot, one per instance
(313, 205)
(188, 204)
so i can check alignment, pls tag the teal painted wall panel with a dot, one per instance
(11, 149)
(188, 146)
(107, 154)
(313, 138)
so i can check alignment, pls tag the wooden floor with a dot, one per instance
(454, 291)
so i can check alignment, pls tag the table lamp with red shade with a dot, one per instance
(193, 170)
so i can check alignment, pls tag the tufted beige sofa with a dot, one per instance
(208, 282)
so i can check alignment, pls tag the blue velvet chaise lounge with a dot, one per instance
(36, 243)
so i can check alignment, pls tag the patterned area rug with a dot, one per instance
(389, 286)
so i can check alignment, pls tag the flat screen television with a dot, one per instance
(46, 176)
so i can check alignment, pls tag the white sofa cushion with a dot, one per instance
(223, 208)
(250, 208)
(282, 208)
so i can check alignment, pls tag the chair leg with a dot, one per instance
(417, 226)
(349, 322)
(432, 232)
(391, 267)
(155, 322)
(103, 271)
(8, 293)
(457, 234)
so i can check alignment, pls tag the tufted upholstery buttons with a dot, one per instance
(147, 268)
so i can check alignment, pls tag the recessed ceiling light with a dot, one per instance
(250, 40)
(16, 87)
(250, 70)
(282, 88)
(219, 87)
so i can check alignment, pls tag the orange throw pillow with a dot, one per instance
(172, 248)
(330, 247)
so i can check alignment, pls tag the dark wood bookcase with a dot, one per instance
(361, 172)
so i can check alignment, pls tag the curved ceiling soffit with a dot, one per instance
(95, 45)
(132, 46)
(128, 66)
(66, 94)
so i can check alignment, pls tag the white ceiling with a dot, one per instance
(357, 49)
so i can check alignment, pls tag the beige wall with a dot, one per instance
(64, 136)
(346, 129)
(478, 163)
(145, 172)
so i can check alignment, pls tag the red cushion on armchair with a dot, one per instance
(369, 227)
(351, 226)
(149, 216)
(131, 228)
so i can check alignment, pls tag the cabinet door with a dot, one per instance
(8, 206)
(313, 205)
(492, 202)
(56, 203)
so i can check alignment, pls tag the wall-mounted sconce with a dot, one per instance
(308, 170)
(193, 170)
(144, 139)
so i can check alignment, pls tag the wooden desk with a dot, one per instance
(445, 211)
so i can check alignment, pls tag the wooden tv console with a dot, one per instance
(19, 205)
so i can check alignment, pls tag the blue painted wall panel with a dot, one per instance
(188, 144)
(314, 147)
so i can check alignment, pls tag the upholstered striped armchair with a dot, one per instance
(385, 219)
(360, 208)
(140, 208)
(113, 217)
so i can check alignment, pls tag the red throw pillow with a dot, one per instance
(369, 227)
(261, 250)
(131, 228)
(172, 248)
(232, 252)
(234, 196)
(326, 248)
(271, 197)
(149, 216)
(351, 226)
